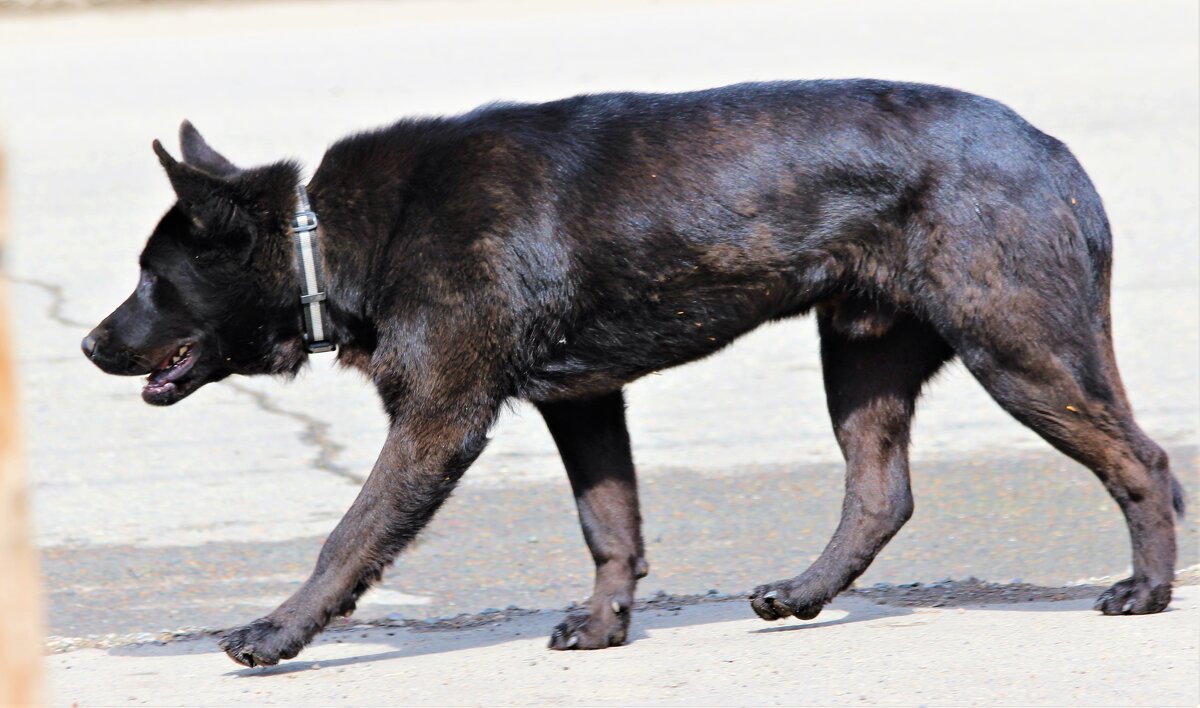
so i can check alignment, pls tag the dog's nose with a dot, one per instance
(88, 345)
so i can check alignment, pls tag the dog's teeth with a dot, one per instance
(183, 350)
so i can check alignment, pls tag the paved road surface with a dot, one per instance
(856, 653)
(208, 513)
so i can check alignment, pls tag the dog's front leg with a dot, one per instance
(418, 468)
(594, 443)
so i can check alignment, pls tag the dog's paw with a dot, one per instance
(783, 599)
(1134, 596)
(596, 631)
(261, 643)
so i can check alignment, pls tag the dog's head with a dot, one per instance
(217, 293)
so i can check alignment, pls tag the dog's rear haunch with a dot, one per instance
(556, 252)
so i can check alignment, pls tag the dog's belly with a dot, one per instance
(649, 329)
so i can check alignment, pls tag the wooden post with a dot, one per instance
(21, 643)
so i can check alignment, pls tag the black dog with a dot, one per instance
(556, 252)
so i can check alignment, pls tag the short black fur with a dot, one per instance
(556, 252)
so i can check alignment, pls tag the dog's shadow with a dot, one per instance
(409, 642)
(540, 625)
(859, 612)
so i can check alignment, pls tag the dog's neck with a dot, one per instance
(358, 192)
(346, 255)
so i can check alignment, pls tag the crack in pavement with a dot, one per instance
(315, 433)
(58, 300)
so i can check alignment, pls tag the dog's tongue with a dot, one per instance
(158, 378)
(169, 372)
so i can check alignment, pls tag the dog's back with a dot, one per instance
(701, 215)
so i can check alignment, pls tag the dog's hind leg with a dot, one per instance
(594, 444)
(1066, 388)
(1022, 295)
(872, 381)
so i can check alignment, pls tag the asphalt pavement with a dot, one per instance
(208, 513)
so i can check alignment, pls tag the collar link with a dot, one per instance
(308, 262)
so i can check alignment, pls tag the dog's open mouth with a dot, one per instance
(162, 383)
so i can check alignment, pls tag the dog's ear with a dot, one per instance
(192, 186)
(209, 200)
(198, 153)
